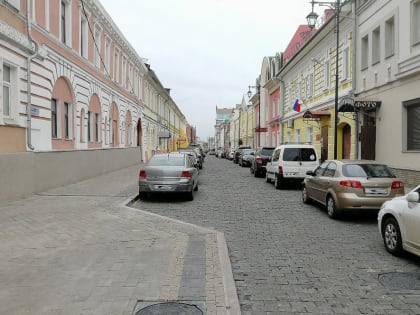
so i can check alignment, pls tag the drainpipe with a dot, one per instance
(354, 79)
(28, 82)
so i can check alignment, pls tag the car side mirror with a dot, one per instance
(310, 173)
(413, 197)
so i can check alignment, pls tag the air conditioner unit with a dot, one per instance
(290, 123)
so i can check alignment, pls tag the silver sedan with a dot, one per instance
(169, 173)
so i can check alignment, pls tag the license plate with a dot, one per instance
(162, 187)
(376, 191)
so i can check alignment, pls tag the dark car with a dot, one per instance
(237, 153)
(246, 157)
(261, 157)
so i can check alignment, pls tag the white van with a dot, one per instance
(290, 162)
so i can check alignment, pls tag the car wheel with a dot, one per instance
(190, 196)
(305, 197)
(392, 236)
(142, 195)
(255, 173)
(267, 179)
(277, 182)
(332, 211)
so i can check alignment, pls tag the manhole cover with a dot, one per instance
(170, 308)
(400, 280)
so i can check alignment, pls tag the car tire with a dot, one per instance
(267, 179)
(189, 196)
(305, 197)
(391, 235)
(332, 211)
(256, 173)
(277, 182)
(143, 196)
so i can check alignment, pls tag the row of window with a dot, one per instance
(62, 128)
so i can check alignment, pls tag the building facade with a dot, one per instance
(71, 82)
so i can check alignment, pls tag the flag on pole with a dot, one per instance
(296, 106)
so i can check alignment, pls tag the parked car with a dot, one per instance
(238, 153)
(399, 221)
(344, 185)
(231, 154)
(290, 162)
(245, 157)
(168, 173)
(212, 152)
(259, 161)
(197, 159)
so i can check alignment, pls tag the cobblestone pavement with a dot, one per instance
(288, 257)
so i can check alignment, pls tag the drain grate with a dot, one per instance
(400, 280)
(168, 308)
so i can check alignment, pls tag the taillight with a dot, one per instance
(258, 159)
(397, 184)
(185, 174)
(351, 183)
(280, 169)
(142, 174)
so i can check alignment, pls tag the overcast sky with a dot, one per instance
(207, 51)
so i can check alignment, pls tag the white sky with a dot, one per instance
(207, 51)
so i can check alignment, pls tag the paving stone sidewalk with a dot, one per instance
(80, 249)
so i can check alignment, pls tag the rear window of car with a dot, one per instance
(267, 151)
(306, 154)
(367, 170)
(247, 151)
(167, 160)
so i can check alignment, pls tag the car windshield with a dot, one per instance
(267, 151)
(367, 170)
(167, 160)
(247, 151)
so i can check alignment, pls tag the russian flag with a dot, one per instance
(296, 106)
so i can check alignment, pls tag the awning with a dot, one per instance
(349, 105)
(316, 114)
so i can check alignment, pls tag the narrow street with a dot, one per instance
(288, 257)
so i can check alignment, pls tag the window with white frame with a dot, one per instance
(327, 73)
(107, 54)
(389, 37)
(309, 134)
(89, 127)
(7, 90)
(346, 64)
(83, 36)
(297, 135)
(97, 47)
(97, 127)
(67, 121)
(365, 52)
(124, 73)
(412, 129)
(54, 120)
(116, 65)
(8, 94)
(65, 22)
(376, 45)
(415, 22)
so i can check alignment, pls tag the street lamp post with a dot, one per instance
(312, 17)
(259, 110)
